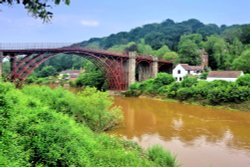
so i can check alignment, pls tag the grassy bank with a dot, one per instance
(44, 127)
(233, 95)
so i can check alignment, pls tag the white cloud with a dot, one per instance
(90, 23)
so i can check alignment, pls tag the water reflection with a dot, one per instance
(200, 136)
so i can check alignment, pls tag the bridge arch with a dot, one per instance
(143, 70)
(119, 68)
(112, 68)
(167, 68)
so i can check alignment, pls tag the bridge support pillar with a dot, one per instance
(1, 65)
(131, 68)
(154, 67)
(13, 68)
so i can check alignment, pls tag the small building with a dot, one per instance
(182, 70)
(224, 75)
(69, 74)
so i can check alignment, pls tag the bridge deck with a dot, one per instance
(76, 50)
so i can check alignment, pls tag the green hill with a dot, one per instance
(157, 34)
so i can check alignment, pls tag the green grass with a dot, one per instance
(38, 127)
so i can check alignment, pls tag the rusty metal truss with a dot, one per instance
(112, 64)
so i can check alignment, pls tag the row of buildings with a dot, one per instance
(182, 70)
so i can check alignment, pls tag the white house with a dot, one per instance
(182, 70)
(224, 75)
(69, 74)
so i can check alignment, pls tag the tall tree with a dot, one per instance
(245, 36)
(217, 50)
(189, 49)
(242, 62)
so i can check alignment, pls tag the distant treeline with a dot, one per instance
(169, 33)
(183, 42)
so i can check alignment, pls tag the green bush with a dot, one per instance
(150, 86)
(163, 90)
(215, 92)
(91, 107)
(201, 90)
(162, 157)
(244, 80)
(134, 90)
(218, 83)
(203, 75)
(163, 79)
(189, 82)
(238, 93)
(184, 93)
(36, 133)
(31, 79)
(47, 71)
(171, 90)
(94, 108)
(92, 79)
(218, 95)
(147, 86)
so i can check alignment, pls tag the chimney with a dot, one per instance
(204, 58)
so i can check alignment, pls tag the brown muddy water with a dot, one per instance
(199, 136)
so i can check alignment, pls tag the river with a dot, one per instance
(199, 136)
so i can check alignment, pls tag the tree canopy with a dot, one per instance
(242, 62)
(181, 42)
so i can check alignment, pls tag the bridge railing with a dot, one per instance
(20, 46)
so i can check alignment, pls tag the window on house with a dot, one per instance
(188, 71)
(180, 78)
(179, 71)
(176, 78)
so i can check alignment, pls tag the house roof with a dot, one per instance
(191, 68)
(71, 72)
(224, 74)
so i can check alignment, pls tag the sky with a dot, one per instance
(84, 19)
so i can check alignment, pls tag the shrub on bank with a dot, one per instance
(171, 90)
(162, 157)
(150, 86)
(189, 82)
(184, 93)
(163, 79)
(91, 107)
(35, 132)
(244, 80)
(215, 92)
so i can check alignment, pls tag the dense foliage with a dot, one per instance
(92, 77)
(242, 62)
(215, 92)
(161, 156)
(183, 42)
(89, 107)
(47, 71)
(63, 62)
(44, 127)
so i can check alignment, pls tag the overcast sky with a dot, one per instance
(84, 19)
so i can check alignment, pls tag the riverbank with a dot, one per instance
(233, 95)
(244, 106)
(55, 127)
